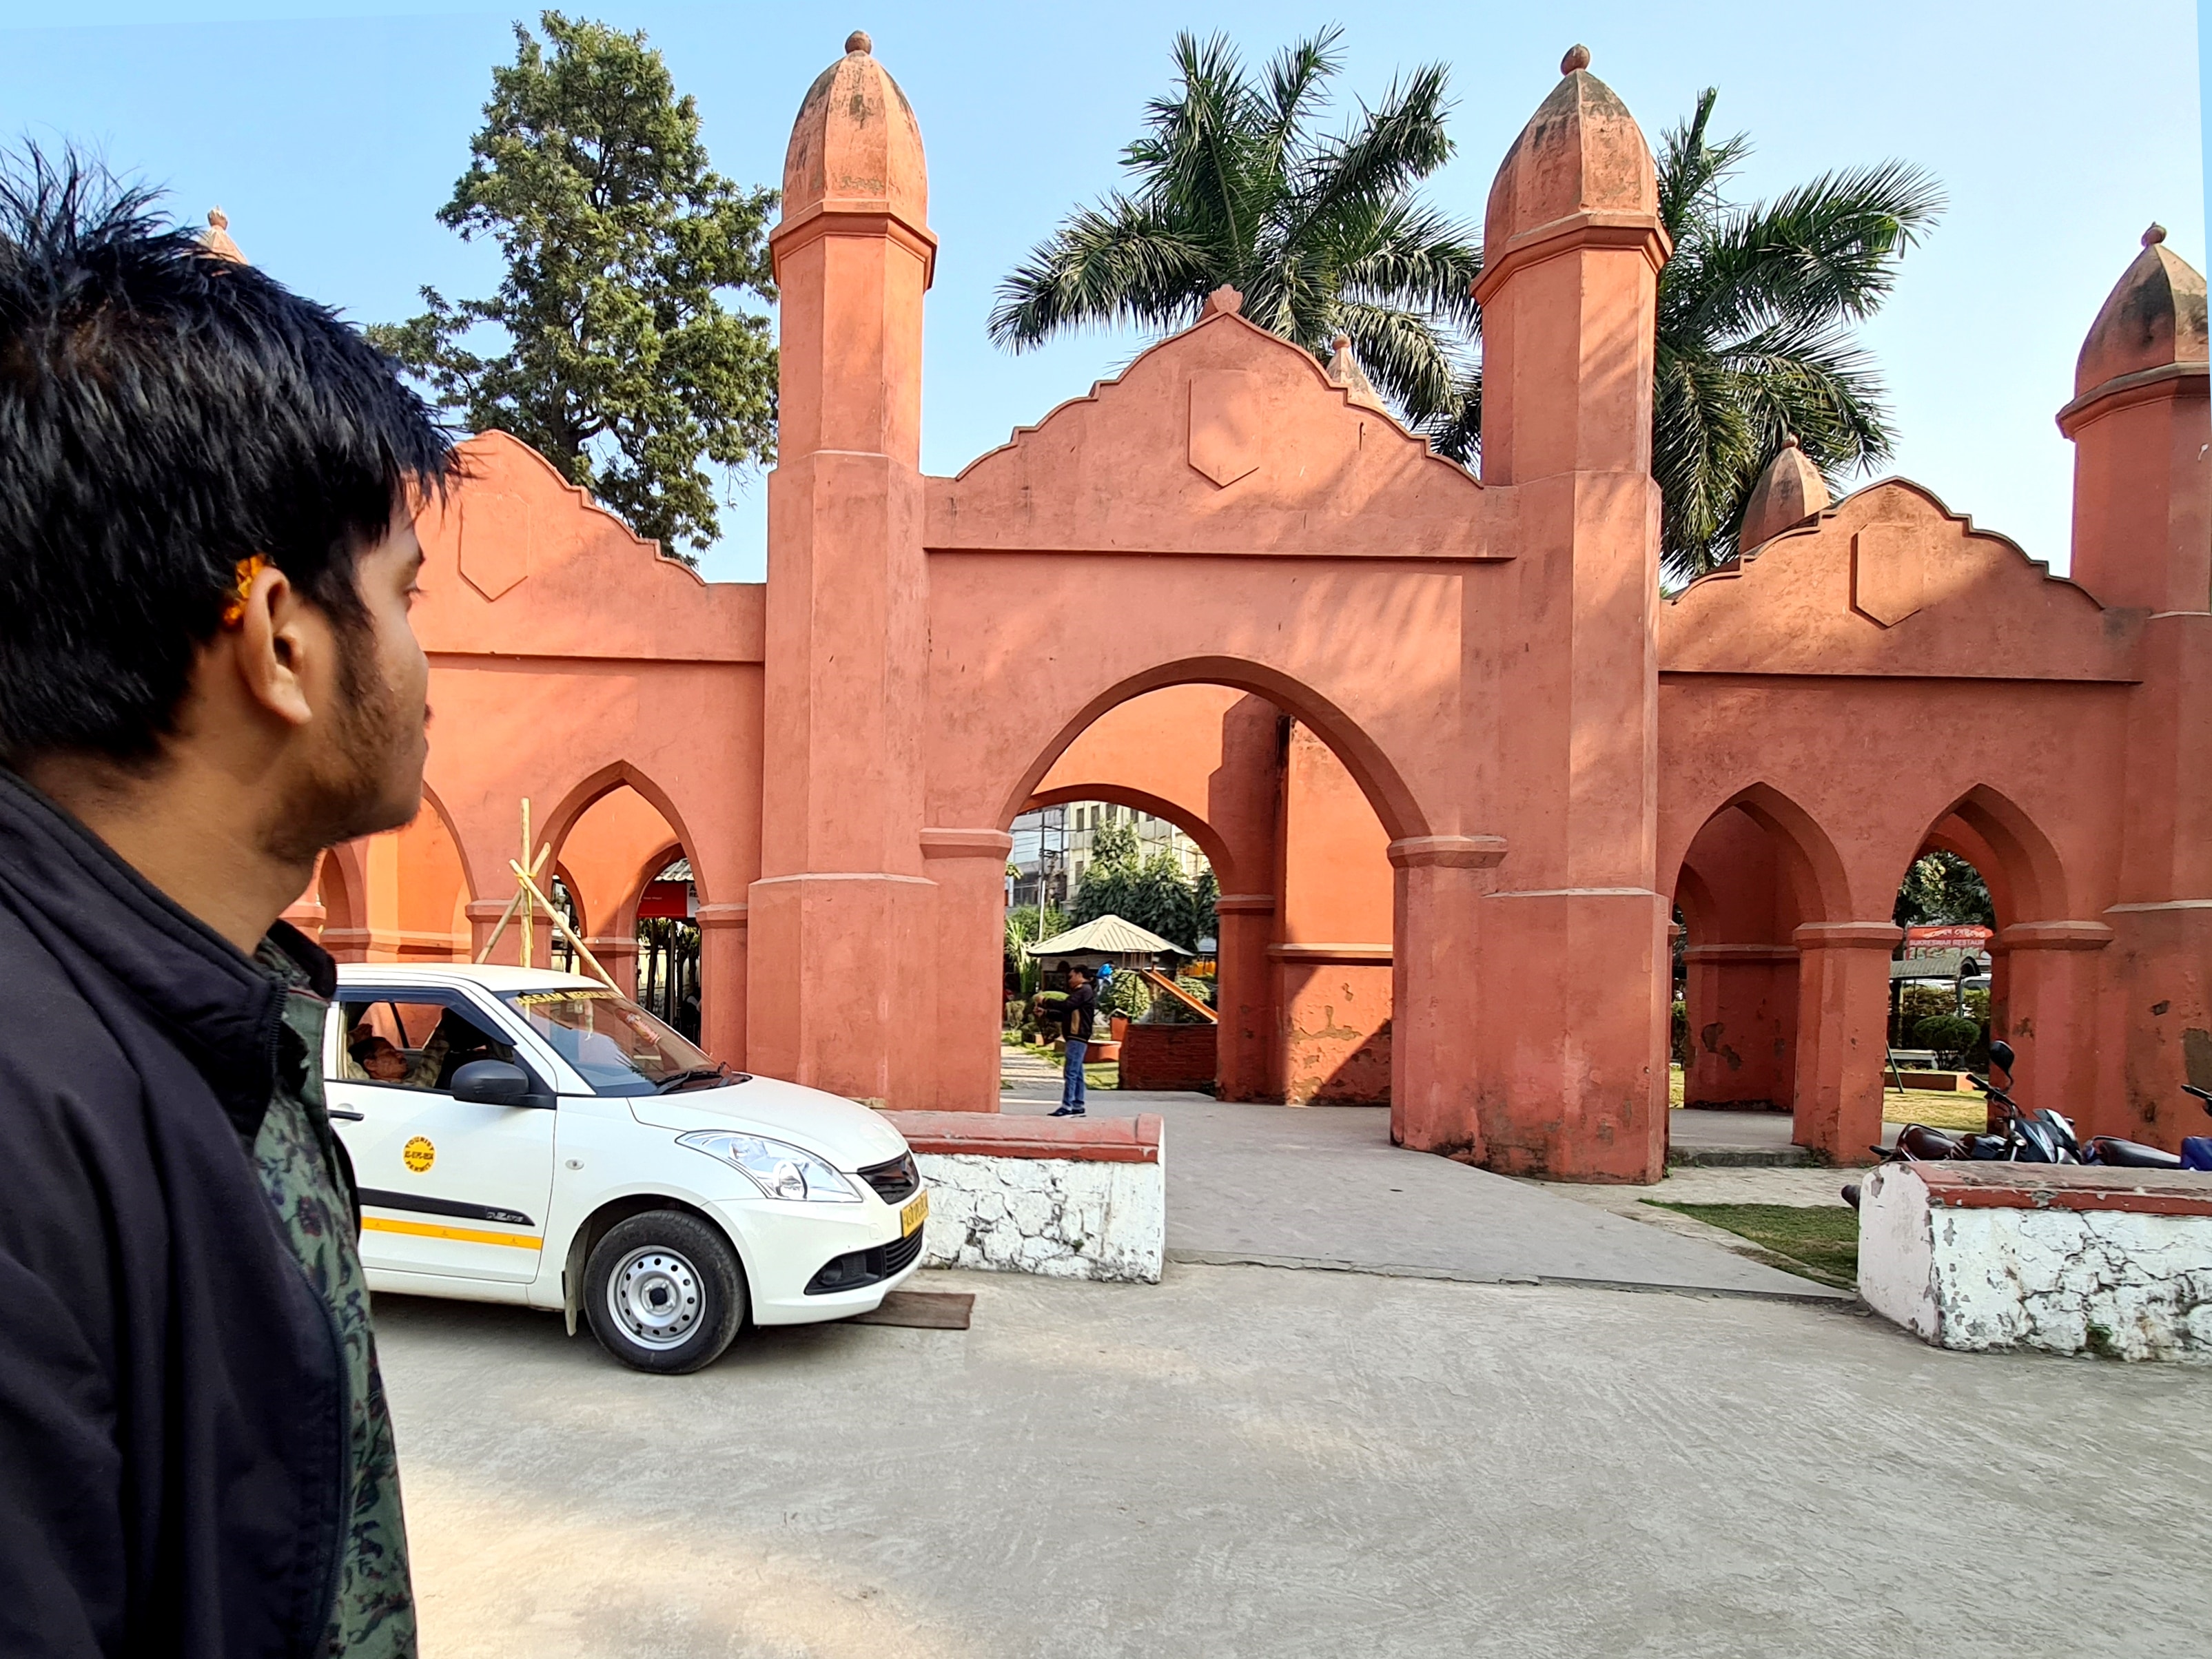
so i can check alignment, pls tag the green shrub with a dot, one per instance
(1949, 1035)
(1918, 1002)
(1679, 1039)
(1126, 994)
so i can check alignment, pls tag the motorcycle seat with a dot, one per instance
(1919, 1142)
(2133, 1154)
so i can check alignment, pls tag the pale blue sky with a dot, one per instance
(331, 134)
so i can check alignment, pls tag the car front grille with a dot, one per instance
(895, 1182)
(855, 1268)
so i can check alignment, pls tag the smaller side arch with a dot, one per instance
(604, 781)
(2033, 874)
(1818, 880)
(339, 884)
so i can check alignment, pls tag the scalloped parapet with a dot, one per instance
(1887, 582)
(1224, 439)
(518, 561)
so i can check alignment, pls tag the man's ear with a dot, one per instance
(278, 640)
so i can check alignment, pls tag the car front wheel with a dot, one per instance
(663, 1292)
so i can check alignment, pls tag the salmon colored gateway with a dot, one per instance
(536, 1138)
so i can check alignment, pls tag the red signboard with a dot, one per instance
(668, 899)
(1957, 936)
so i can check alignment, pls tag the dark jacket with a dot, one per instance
(1082, 1010)
(172, 1413)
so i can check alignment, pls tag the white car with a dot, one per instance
(536, 1138)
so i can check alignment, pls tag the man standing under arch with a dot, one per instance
(1082, 1011)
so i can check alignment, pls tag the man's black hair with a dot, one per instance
(165, 413)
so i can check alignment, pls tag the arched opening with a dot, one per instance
(1762, 894)
(1987, 952)
(1085, 852)
(669, 981)
(1303, 914)
(338, 887)
(1742, 897)
(613, 852)
(413, 894)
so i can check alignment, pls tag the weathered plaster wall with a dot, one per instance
(2118, 1283)
(1056, 1217)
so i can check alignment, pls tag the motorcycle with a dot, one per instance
(2040, 1136)
(2196, 1150)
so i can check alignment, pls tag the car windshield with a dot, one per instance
(618, 1048)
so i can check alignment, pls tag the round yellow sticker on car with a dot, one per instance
(419, 1154)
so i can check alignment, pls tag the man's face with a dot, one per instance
(385, 1063)
(363, 769)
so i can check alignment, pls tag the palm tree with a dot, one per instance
(1756, 310)
(1321, 234)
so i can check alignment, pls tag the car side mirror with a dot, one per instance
(495, 1083)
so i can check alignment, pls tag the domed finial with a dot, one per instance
(1789, 440)
(858, 41)
(1223, 299)
(1577, 58)
(2154, 236)
(219, 220)
(1342, 342)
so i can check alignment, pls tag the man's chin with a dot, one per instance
(394, 811)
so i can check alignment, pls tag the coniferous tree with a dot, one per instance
(626, 357)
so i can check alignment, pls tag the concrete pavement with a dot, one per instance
(1250, 1464)
(1322, 1186)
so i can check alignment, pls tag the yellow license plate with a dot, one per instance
(916, 1213)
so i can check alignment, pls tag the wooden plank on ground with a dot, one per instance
(921, 1311)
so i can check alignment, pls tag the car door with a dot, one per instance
(447, 1187)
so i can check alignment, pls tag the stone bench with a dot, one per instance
(2057, 1257)
(1068, 1198)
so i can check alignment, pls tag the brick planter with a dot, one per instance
(1168, 1057)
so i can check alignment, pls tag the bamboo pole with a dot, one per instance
(499, 928)
(553, 915)
(523, 893)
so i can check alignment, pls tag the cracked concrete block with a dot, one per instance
(1060, 1218)
(2064, 1261)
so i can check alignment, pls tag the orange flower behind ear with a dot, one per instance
(234, 612)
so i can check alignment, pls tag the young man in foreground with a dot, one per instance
(207, 675)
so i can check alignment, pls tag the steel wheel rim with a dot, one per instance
(656, 1297)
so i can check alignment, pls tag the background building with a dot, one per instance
(1051, 847)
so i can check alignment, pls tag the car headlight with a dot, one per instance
(777, 1168)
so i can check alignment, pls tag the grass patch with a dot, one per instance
(1961, 1112)
(1956, 1112)
(1819, 1240)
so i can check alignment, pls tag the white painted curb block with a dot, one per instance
(2105, 1281)
(1061, 1217)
